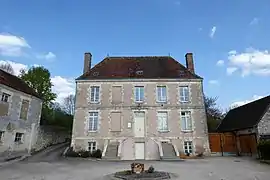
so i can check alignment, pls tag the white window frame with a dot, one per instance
(92, 116)
(92, 146)
(182, 96)
(188, 147)
(5, 97)
(18, 139)
(160, 115)
(2, 136)
(140, 99)
(161, 99)
(94, 98)
(188, 117)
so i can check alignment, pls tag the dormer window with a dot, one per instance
(139, 72)
(95, 73)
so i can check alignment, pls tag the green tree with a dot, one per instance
(213, 113)
(39, 79)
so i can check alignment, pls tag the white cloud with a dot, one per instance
(11, 45)
(254, 21)
(47, 56)
(16, 66)
(214, 82)
(220, 63)
(63, 87)
(231, 70)
(251, 61)
(213, 32)
(240, 103)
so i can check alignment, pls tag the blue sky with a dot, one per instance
(57, 33)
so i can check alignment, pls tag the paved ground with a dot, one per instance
(52, 167)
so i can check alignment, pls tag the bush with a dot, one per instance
(151, 169)
(71, 153)
(264, 149)
(97, 154)
(84, 154)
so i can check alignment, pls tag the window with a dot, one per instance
(94, 94)
(5, 97)
(93, 121)
(92, 146)
(139, 72)
(161, 94)
(162, 121)
(1, 136)
(139, 94)
(24, 109)
(186, 121)
(18, 137)
(188, 147)
(184, 93)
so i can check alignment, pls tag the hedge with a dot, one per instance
(264, 149)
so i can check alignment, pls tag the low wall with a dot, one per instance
(49, 135)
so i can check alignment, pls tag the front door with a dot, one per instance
(139, 124)
(139, 150)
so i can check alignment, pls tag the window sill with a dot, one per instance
(187, 131)
(18, 143)
(139, 102)
(163, 131)
(94, 102)
(184, 102)
(93, 131)
(162, 102)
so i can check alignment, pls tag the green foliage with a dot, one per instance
(264, 149)
(38, 78)
(151, 169)
(83, 154)
(56, 117)
(97, 154)
(213, 113)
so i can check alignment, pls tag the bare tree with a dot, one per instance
(69, 104)
(7, 67)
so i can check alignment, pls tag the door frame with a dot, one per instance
(133, 128)
(143, 150)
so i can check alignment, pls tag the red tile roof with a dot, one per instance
(16, 83)
(151, 67)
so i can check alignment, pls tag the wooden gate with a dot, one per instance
(248, 144)
(222, 143)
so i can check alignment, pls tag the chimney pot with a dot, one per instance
(189, 62)
(87, 62)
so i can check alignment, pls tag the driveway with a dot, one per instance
(216, 168)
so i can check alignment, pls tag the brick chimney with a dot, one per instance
(189, 62)
(87, 62)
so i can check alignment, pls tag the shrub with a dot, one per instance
(71, 153)
(84, 154)
(151, 169)
(264, 149)
(97, 154)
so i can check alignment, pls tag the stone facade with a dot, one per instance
(19, 120)
(264, 124)
(152, 137)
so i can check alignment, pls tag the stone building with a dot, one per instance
(140, 108)
(249, 124)
(20, 111)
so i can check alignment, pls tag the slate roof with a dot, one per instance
(16, 83)
(246, 116)
(152, 67)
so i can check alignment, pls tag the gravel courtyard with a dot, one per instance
(225, 168)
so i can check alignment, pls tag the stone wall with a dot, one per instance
(264, 124)
(49, 135)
